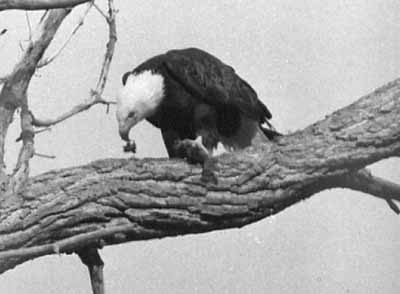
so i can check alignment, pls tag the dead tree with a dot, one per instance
(81, 209)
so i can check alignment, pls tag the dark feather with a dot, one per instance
(211, 80)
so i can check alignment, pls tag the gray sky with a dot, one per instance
(305, 59)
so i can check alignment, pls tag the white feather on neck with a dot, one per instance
(142, 93)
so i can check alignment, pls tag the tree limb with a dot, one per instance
(38, 4)
(119, 200)
(13, 93)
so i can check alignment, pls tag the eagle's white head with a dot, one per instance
(138, 99)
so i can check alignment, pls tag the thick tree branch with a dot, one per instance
(119, 200)
(39, 4)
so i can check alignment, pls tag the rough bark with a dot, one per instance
(118, 200)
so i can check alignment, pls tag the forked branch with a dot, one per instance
(14, 95)
(96, 94)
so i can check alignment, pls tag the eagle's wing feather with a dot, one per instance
(207, 78)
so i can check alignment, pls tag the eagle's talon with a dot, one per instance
(193, 151)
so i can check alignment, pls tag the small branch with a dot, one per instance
(28, 21)
(48, 60)
(393, 206)
(35, 132)
(38, 4)
(75, 110)
(364, 181)
(91, 258)
(44, 155)
(100, 11)
(95, 97)
(112, 39)
(42, 130)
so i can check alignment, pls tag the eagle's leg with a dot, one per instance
(195, 152)
(192, 151)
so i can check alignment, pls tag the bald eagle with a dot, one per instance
(190, 93)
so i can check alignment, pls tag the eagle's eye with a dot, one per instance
(132, 114)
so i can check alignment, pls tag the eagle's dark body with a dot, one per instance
(204, 96)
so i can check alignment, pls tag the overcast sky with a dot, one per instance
(305, 59)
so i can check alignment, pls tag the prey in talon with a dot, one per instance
(130, 146)
(190, 94)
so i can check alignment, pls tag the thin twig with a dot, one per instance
(80, 23)
(393, 206)
(43, 17)
(112, 39)
(42, 130)
(100, 11)
(21, 46)
(36, 132)
(96, 94)
(44, 155)
(75, 110)
(28, 21)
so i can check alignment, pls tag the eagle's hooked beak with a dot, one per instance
(126, 125)
(124, 134)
